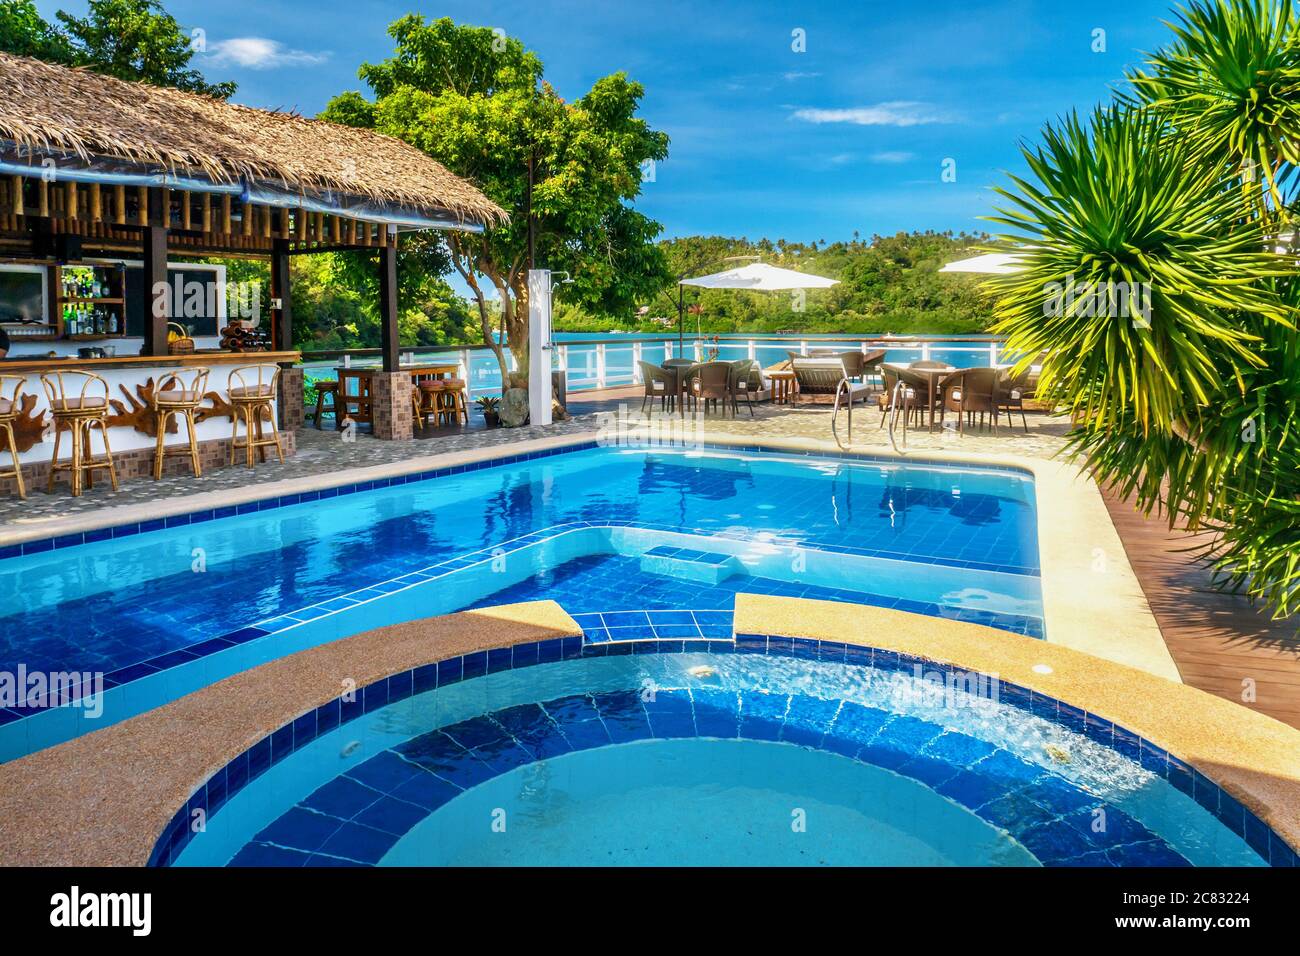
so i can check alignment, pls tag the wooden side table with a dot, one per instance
(782, 387)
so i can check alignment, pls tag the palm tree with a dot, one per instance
(1195, 406)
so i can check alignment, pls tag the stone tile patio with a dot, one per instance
(326, 452)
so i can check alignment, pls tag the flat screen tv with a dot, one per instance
(22, 295)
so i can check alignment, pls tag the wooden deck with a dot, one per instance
(1218, 641)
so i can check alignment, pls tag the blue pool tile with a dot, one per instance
(263, 854)
(391, 815)
(762, 716)
(384, 772)
(427, 791)
(300, 829)
(958, 749)
(342, 797)
(1152, 853)
(357, 842)
(972, 789)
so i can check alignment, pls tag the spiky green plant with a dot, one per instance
(1230, 83)
(1180, 398)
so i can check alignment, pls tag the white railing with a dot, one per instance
(613, 363)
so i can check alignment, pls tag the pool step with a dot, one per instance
(704, 566)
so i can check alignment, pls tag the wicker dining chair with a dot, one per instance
(660, 383)
(1012, 391)
(968, 392)
(746, 379)
(711, 382)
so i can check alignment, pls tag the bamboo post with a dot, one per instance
(70, 200)
(352, 232)
(43, 199)
(142, 196)
(119, 200)
(335, 229)
(96, 203)
(186, 214)
(207, 213)
(225, 215)
(19, 209)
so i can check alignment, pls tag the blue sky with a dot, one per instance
(850, 134)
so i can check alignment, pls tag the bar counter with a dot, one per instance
(132, 380)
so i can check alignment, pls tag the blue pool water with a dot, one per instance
(599, 530)
(674, 757)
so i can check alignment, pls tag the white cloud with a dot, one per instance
(798, 75)
(260, 53)
(892, 156)
(895, 113)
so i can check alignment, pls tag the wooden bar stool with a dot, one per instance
(9, 410)
(451, 401)
(331, 388)
(179, 397)
(252, 394)
(78, 413)
(419, 407)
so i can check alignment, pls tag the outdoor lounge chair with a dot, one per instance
(660, 383)
(968, 392)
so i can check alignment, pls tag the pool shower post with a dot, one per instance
(539, 346)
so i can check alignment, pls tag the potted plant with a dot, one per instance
(490, 406)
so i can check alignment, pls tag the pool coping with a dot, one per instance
(1092, 599)
(1254, 758)
(132, 778)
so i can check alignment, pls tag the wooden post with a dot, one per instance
(281, 318)
(119, 201)
(388, 307)
(155, 287)
(18, 196)
(155, 290)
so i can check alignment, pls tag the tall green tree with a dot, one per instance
(128, 39)
(476, 100)
(138, 40)
(25, 32)
(1181, 195)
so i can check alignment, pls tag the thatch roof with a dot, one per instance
(74, 111)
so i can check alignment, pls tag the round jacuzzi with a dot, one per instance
(762, 751)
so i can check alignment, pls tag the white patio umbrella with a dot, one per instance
(762, 278)
(991, 263)
(758, 276)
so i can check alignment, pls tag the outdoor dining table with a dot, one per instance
(931, 375)
(354, 385)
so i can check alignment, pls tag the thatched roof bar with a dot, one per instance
(83, 120)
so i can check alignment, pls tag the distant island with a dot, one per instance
(887, 284)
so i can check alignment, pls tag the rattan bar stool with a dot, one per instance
(252, 394)
(179, 397)
(10, 407)
(78, 410)
(451, 409)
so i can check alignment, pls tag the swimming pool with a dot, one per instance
(634, 541)
(761, 751)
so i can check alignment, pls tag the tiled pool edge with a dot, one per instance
(46, 798)
(1252, 757)
(1102, 612)
(108, 529)
(217, 790)
(267, 628)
